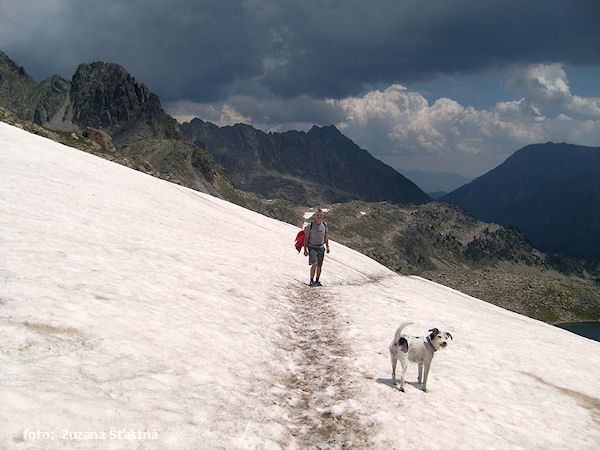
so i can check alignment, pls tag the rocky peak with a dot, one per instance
(104, 95)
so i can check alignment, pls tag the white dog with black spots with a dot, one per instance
(419, 349)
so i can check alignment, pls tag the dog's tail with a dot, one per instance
(399, 330)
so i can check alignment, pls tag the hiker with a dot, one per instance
(315, 242)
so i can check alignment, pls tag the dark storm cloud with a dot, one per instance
(207, 50)
(178, 48)
(339, 51)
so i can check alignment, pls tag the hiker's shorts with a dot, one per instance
(316, 255)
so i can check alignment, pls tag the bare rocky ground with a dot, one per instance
(546, 295)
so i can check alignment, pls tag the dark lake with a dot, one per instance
(589, 330)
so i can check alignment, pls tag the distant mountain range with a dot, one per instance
(320, 166)
(550, 191)
(436, 184)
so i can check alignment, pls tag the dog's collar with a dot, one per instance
(430, 344)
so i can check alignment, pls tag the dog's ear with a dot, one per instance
(434, 331)
(403, 344)
(449, 335)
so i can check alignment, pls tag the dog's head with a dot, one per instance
(438, 338)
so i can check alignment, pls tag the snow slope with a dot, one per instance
(135, 313)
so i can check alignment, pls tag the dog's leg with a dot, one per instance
(427, 366)
(404, 364)
(394, 359)
(420, 379)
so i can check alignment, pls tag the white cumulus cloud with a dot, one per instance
(547, 85)
(401, 126)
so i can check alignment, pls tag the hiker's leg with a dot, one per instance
(312, 262)
(320, 256)
(313, 270)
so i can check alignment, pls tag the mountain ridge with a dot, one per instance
(105, 96)
(333, 167)
(550, 191)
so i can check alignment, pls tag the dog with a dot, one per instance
(416, 349)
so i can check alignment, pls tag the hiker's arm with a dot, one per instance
(327, 242)
(305, 242)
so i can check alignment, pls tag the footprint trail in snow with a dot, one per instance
(319, 390)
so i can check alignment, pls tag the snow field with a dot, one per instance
(127, 302)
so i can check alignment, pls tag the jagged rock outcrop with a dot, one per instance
(105, 96)
(321, 165)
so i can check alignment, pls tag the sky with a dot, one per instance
(163, 326)
(434, 85)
